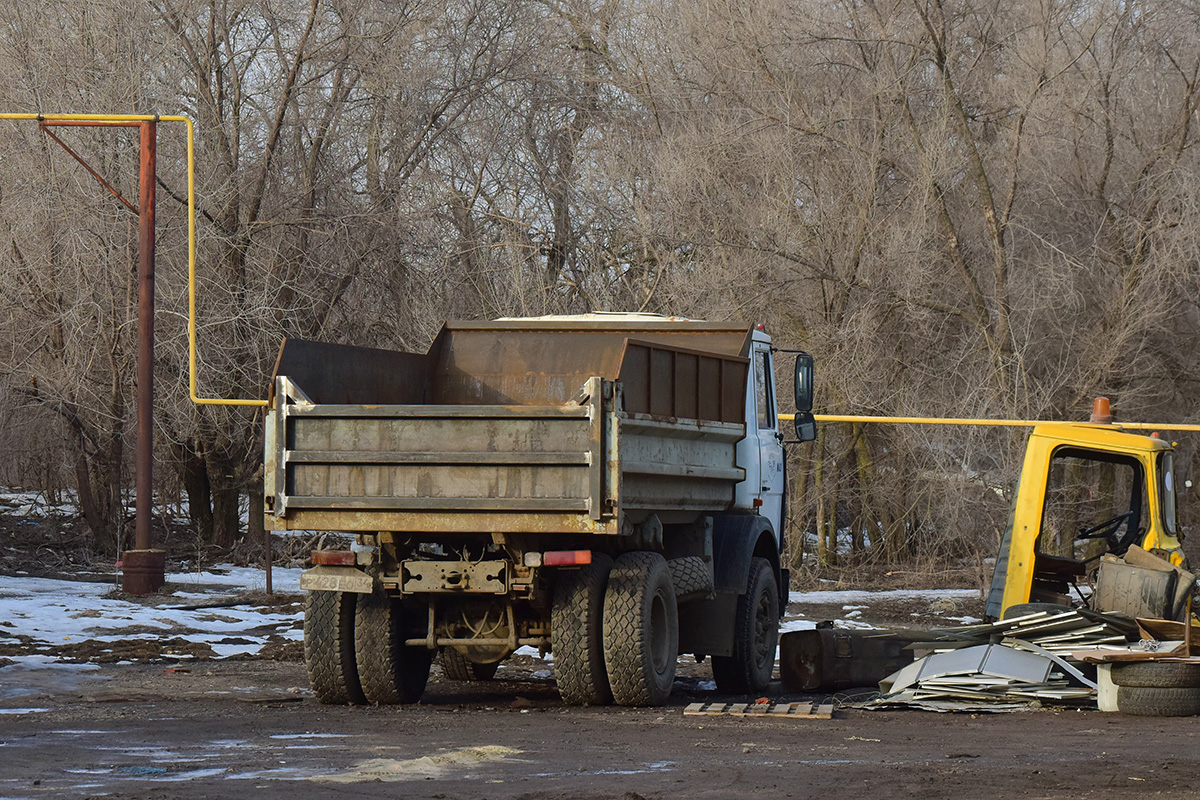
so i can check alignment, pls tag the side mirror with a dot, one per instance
(804, 384)
(806, 426)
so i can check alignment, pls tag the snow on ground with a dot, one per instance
(47, 617)
(861, 596)
(284, 581)
(36, 505)
(44, 621)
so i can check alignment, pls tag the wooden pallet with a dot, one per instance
(774, 710)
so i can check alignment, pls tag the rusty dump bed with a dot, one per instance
(530, 426)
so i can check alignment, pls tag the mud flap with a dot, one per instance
(706, 626)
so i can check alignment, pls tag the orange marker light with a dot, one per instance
(1101, 412)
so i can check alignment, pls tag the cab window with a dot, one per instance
(1166, 472)
(764, 396)
(1095, 503)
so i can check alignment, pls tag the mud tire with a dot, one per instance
(329, 648)
(389, 672)
(755, 635)
(1146, 701)
(1160, 675)
(692, 577)
(457, 667)
(641, 630)
(577, 631)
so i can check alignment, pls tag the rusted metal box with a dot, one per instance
(585, 428)
(829, 659)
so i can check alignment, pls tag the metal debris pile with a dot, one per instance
(1004, 666)
(1059, 632)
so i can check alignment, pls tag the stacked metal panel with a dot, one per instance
(1005, 665)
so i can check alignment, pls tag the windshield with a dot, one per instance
(1166, 471)
(1096, 503)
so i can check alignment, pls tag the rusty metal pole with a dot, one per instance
(145, 567)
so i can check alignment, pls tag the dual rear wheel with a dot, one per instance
(355, 652)
(616, 631)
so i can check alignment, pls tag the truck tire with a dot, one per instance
(1145, 701)
(457, 667)
(692, 577)
(389, 671)
(755, 635)
(577, 633)
(329, 648)
(1160, 675)
(641, 630)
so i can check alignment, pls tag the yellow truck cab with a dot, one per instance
(1086, 489)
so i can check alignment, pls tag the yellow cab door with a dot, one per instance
(1085, 490)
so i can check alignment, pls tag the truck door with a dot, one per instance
(769, 445)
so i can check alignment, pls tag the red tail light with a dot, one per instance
(567, 558)
(334, 558)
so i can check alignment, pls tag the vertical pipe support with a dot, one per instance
(145, 354)
(149, 564)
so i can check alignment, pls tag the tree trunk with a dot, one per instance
(798, 519)
(225, 495)
(255, 530)
(193, 474)
(819, 487)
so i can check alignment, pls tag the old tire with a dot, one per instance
(755, 635)
(329, 648)
(577, 633)
(1145, 701)
(641, 630)
(1157, 674)
(457, 667)
(388, 671)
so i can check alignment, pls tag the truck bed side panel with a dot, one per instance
(463, 458)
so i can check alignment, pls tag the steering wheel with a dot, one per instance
(1108, 529)
(1103, 529)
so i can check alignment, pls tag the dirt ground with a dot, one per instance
(232, 728)
(177, 723)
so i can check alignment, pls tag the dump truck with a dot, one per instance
(605, 487)
(1089, 492)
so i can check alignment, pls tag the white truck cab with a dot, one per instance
(760, 454)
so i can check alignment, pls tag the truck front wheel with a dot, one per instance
(389, 671)
(577, 631)
(755, 635)
(641, 630)
(457, 667)
(329, 648)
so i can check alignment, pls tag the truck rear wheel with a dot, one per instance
(329, 648)
(641, 630)
(389, 671)
(577, 631)
(755, 635)
(457, 667)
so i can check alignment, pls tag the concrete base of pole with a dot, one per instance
(143, 571)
